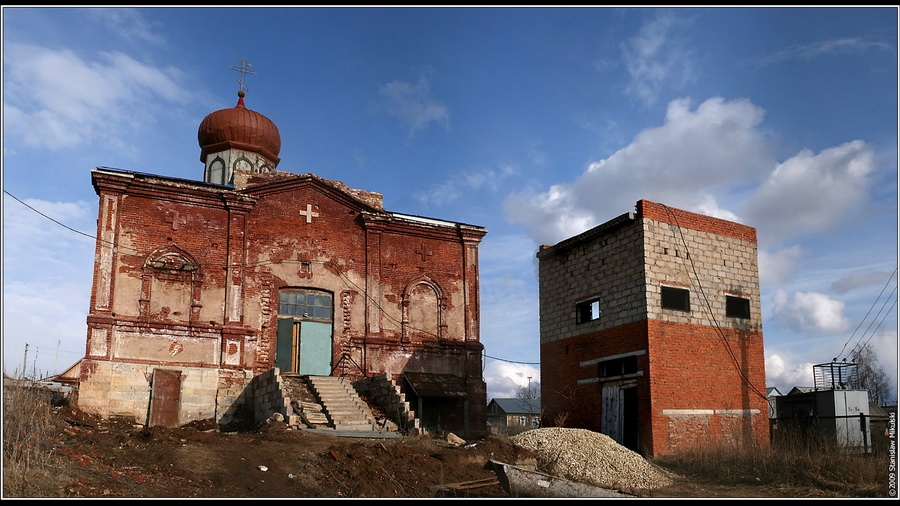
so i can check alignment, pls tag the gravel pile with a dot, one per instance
(590, 457)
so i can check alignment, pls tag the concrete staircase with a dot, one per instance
(302, 408)
(386, 394)
(325, 402)
(341, 404)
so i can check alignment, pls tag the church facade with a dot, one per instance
(199, 286)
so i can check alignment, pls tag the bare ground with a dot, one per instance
(94, 457)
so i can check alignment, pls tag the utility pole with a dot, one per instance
(56, 360)
(25, 363)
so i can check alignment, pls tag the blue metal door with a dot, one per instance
(315, 348)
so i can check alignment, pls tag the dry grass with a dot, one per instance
(793, 465)
(28, 457)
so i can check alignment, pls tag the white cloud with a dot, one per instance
(657, 56)
(779, 375)
(697, 159)
(458, 185)
(860, 279)
(47, 274)
(413, 105)
(56, 99)
(778, 266)
(806, 52)
(810, 312)
(811, 193)
(504, 379)
(128, 24)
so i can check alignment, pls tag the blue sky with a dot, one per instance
(535, 123)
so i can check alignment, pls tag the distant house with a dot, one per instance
(506, 412)
(771, 394)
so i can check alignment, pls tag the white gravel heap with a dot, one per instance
(590, 457)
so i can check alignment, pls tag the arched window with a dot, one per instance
(216, 172)
(170, 282)
(305, 304)
(423, 310)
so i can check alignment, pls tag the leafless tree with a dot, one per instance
(530, 398)
(872, 375)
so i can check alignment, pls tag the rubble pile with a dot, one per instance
(591, 457)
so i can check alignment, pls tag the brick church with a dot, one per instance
(651, 332)
(200, 286)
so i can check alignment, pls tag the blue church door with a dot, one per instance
(304, 336)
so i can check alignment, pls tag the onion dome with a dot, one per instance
(239, 128)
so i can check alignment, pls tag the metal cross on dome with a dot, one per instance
(244, 69)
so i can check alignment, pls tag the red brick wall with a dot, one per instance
(694, 221)
(695, 367)
(686, 368)
(561, 396)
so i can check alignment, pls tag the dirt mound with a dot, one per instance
(117, 458)
(93, 457)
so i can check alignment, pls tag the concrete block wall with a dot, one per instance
(604, 262)
(268, 396)
(124, 389)
(710, 265)
(385, 393)
(234, 397)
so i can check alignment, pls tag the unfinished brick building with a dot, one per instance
(651, 331)
(200, 286)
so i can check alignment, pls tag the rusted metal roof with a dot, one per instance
(436, 385)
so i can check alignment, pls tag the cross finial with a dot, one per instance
(244, 69)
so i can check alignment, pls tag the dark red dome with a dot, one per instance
(239, 128)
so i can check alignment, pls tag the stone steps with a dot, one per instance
(342, 404)
(325, 402)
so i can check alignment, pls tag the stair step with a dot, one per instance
(355, 427)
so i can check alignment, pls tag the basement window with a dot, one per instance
(587, 311)
(617, 366)
(675, 298)
(737, 307)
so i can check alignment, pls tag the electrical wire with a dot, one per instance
(333, 267)
(867, 313)
(712, 316)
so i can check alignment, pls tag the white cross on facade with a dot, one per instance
(309, 213)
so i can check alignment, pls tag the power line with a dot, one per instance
(712, 316)
(49, 218)
(511, 361)
(867, 313)
(862, 345)
(266, 262)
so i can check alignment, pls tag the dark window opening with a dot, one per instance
(617, 366)
(737, 307)
(587, 311)
(675, 298)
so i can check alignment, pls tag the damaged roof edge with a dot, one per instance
(432, 221)
(603, 228)
(145, 175)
